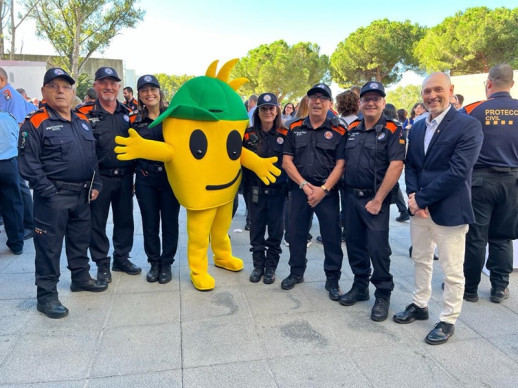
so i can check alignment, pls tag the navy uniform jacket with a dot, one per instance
(369, 150)
(314, 151)
(53, 149)
(441, 179)
(105, 127)
(499, 118)
(266, 145)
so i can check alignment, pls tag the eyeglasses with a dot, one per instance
(315, 97)
(266, 108)
(366, 100)
(56, 87)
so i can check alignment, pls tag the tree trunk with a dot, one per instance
(74, 65)
(13, 32)
(2, 47)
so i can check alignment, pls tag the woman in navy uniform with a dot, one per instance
(154, 194)
(265, 203)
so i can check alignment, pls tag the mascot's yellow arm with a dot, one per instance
(135, 147)
(263, 167)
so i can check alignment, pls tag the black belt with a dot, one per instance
(360, 193)
(497, 170)
(71, 186)
(115, 171)
(150, 167)
(270, 191)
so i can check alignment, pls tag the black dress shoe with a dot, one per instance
(53, 309)
(103, 273)
(17, 252)
(334, 289)
(354, 295)
(471, 296)
(498, 295)
(380, 309)
(440, 334)
(247, 225)
(269, 276)
(127, 266)
(91, 285)
(165, 274)
(403, 216)
(154, 272)
(256, 275)
(411, 313)
(28, 234)
(290, 281)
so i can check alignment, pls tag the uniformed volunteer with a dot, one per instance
(129, 100)
(494, 188)
(265, 203)
(374, 155)
(156, 200)
(311, 162)
(110, 118)
(57, 157)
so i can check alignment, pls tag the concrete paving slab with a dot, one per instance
(47, 356)
(17, 286)
(323, 370)
(138, 349)
(167, 379)
(241, 374)
(13, 315)
(220, 340)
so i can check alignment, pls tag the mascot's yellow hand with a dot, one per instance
(264, 168)
(130, 147)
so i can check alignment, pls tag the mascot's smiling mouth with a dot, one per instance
(224, 186)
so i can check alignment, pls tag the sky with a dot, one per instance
(184, 37)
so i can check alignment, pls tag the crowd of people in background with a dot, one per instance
(340, 160)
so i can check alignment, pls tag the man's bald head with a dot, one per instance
(437, 91)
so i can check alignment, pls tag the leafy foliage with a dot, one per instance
(171, 83)
(284, 70)
(404, 97)
(471, 42)
(78, 28)
(381, 51)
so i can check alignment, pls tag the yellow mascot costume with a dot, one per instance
(202, 151)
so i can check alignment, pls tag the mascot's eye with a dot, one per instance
(234, 144)
(198, 144)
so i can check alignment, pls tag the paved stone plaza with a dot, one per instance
(138, 334)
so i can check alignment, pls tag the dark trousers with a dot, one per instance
(367, 241)
(266, 212)
(28, 205)
(157, 204)
(287, 216)
(327, 212)
(495, 204)
(117, 192)
(11, 204)
(65, 214)
(400, 201)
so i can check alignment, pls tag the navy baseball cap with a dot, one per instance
(105, 72)
(147, 79)
(320, 88)
(373, 86)
(57, 72)
(267, 99)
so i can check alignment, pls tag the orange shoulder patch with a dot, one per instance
(340, 130)
(353, 125)
(38, 117)
(297, 123)
(85, 109)
(391, 126)
(469, 108)
(246, 136)
(282, 131)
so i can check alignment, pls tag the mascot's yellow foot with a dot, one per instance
(232, 264)
(203, 282)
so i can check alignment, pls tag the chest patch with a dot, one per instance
(328, 135)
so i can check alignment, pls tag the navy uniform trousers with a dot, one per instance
(367, 240)
(328, 213)
(65, 214)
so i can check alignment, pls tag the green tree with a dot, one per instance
(284, 70)
(404, 97)
(78, 28)
(171, 83)
(471, 41)
(381, 51)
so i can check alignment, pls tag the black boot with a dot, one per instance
(154, 271)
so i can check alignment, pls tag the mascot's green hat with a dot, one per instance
(208, 98)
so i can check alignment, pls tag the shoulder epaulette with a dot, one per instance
(38, 116)
(339, 129)
(82, 116)
(297, 123)
(354, 124)
(469, 108)
(391, 126)
(282, 131)
(85, 108)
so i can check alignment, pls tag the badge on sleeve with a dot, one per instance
(85, 127)
(280, 140)
(126, 118)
